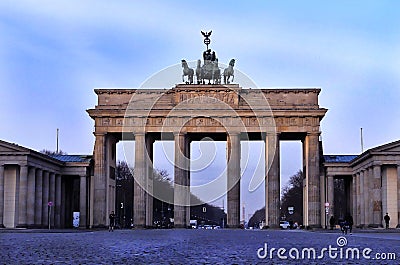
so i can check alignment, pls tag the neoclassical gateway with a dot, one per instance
(369, 183)
(192, 112)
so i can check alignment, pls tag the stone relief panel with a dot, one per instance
(207, 97)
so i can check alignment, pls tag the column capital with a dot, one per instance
(317, 134)
(99, 133)
(376, 164)
(180, 133)
(233, 133)
(273, 133)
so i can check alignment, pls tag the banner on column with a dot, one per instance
(75, 221)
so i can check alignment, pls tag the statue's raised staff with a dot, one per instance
(206, 36)
(228, 72)
(187, 71)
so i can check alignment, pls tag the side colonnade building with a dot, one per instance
(36, 188)
(366, 186)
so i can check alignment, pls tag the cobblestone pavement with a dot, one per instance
(180, 246)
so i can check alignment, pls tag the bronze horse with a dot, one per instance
(228, 72)
(187, 71)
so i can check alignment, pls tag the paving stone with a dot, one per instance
(180, 246)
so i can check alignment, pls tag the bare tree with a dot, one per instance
(52, 153)
(292, 196)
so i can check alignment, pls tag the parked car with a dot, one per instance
(284, 224)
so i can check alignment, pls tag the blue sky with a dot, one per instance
(53, 53)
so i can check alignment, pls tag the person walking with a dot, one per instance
(332, 222)
(387, 220)
(344, 226)
(112, 222)
(350, 222)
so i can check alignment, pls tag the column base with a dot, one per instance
(99, 226)
(317, 226)
(181, 226)
(375, 226)
(141, 226)
(21, 226)
(34, 226)
(233, 226)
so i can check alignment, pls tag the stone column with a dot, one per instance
(23, 194)
(367, 205)
(100, 181)
(398, 194)
(362, 202)
(233, 178)
(91, 201)
(377, 196)
(354, 194)
(272, 183)
(1, 196)
(331, 196)
(187, 178)
(63, 221)
(139, 196)
(45, 199)
(52, 191)
(82, 202)
(313, 181)
(149, 179)
(57, 205)
(181, 188)
(38, 198)
(324, 216)
(30, 211)
(358, 209)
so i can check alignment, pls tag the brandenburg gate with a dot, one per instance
(195, 111)
(189, 112)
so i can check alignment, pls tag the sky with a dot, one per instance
(54, 53)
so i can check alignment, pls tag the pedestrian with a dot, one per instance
(387, 219)
(332, 222)
(344, 226)
(112, 222)
(350, 222)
